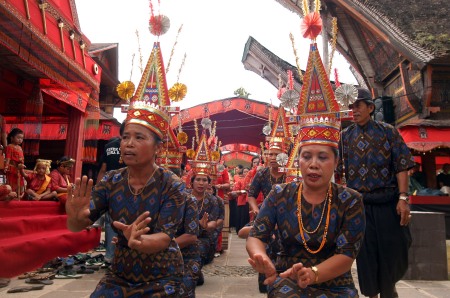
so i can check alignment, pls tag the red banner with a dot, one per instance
(58, 131)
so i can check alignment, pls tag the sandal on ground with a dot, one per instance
(25, 289)
(67, 274)
(45, 270)
(27, 275)
(97, 260)
(83, 270)
(4, 282)
(39, 281)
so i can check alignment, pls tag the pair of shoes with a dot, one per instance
(201, 279)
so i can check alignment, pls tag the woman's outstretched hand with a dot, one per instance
(299, 273)
(78, 200)
(264, 265)
(134, 232)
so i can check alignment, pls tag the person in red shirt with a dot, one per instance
(242, 204)
(39, 182)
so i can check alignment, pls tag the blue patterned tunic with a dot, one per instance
(191, 253)
(373, 154)
(262, 182)
(210, 205)
(345, 234)
(136, 274)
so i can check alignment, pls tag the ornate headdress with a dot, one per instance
(280, 137)
(318, 111)
(67, 162)
(148, 106)
(46, 162)
(205, 157)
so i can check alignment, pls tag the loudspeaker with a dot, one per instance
(384, 109)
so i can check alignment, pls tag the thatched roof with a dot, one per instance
(421, 27)
(425, 22)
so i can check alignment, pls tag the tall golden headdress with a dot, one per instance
(205, 157)
(318, 113)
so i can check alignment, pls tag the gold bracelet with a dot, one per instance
(316, 273)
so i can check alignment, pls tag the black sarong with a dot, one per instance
(383, 258)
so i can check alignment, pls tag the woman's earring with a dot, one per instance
(120, 159)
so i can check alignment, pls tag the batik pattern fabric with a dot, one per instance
(191, 254)
(206, 243)
(218, 231)
(137, 274)
(344, 237)
(373, 154)
(263, 182)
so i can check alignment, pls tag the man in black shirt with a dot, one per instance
(110, 161)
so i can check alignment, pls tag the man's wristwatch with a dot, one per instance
(404, 197)
(316, 273)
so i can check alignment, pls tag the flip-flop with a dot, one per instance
(39, 281)
(25, 289)
(27, 275)
(83, 270)
(67, 274)
(4, 282)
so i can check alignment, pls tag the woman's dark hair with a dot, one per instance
(64, 161)
(193, 178)
(255, 157)
(14, 132)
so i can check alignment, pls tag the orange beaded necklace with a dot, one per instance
(300, 220)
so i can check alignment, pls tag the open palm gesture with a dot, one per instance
(78, 200)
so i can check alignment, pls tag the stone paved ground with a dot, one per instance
(228, 276)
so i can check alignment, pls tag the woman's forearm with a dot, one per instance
(211, 226)
(333, 267)
(153, 243)
(255, 246)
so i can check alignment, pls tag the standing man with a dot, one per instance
(377, 161)
(110, 161)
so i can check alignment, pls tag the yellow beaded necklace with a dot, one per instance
(300, 220)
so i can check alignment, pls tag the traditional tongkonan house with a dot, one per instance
(49, 88)
(402, 55)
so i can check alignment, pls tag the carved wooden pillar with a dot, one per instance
(74, 141)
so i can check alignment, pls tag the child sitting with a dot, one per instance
(38, 182)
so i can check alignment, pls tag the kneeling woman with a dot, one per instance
(208, 211)
(146, 203)
(321, 225)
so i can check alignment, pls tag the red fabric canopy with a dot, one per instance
(58, 131)
(425, 138)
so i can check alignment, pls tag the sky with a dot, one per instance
(213, 38)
